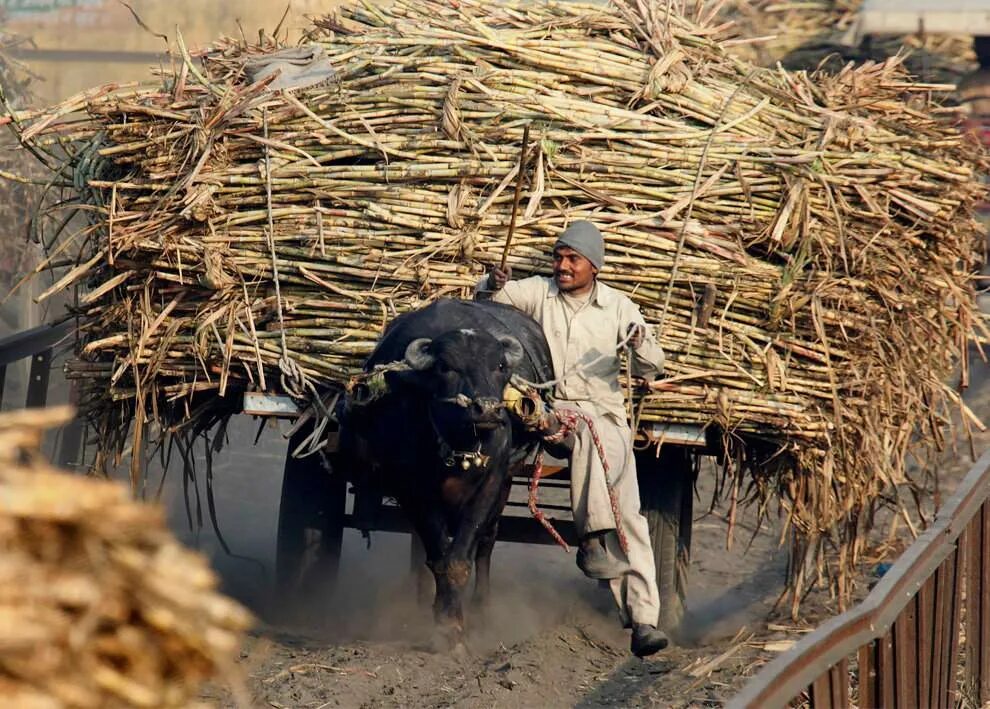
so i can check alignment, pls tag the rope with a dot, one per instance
(569, 419)
(538, 515)
(295, 382)
(270, 235)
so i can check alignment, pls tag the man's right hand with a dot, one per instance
(497, 278)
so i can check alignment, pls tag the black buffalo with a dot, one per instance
(438, 438)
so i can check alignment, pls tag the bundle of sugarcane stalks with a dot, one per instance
(812, 34)
(803, 244)
(99, 604)
(19, 193)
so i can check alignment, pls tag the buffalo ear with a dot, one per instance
(418, 354)
(513, 350)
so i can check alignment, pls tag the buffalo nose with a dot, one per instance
(484, 408)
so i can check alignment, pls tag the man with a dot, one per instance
(585, 322)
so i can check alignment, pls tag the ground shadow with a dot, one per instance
(735, 608)
(629, 681)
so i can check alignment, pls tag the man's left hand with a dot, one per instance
(635, 334)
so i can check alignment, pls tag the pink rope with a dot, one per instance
(569, 419)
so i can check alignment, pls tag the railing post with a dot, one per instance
(938, 659)
(885, 670)
(72, 433)
(820, 692)
(984, 600)
(839, 679)
(41, 369)
(977, 607)
(869, 691)
(953, 626)
(906, 656)
(929, 649)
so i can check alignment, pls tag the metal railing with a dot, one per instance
(39, 344)
(921, 638)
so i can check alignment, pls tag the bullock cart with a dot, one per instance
(805, 258)
(318, 503)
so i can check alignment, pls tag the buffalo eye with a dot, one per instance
(501, 366)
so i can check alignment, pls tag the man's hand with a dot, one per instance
(635, 334)
(497, 278)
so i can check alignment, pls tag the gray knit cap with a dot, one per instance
(584, 237)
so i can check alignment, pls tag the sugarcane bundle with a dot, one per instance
(803, 35)
(803, 243)
(18, 193)
(99, 604)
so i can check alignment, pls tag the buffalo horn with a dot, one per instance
(418, 354)
(513, 350)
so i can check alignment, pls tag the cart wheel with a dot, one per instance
(310, 529)
(666, 488)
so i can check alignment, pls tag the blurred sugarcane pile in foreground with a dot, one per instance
(803, 243)
(100, 606)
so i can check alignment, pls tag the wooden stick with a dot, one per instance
(515, 199)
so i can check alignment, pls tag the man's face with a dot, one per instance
(572, 272)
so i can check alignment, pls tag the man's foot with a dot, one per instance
(647, 640)
(594, 561)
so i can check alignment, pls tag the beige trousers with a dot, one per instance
(635, 590)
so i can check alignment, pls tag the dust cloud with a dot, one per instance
(374, 599)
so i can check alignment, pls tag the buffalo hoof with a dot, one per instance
(460, 652)
(447, 638)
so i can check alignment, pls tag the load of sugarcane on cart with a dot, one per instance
(240, 231)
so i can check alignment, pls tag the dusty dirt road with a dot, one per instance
(551, 639)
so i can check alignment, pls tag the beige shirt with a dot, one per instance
(583, 339)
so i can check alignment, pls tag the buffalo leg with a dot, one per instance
(427, 520)
(480, 515)
(483, 554)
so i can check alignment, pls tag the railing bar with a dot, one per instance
(905, 659)
(820, 693)
(868, 694)
(954, 625)
(542, 506)
(923, 649)
(984, 600)
(885, 670)
(931, 636)
(544, 482)
(3, 380)
(839, 679)
(41, 369)
(23, 344)
(973, 556)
